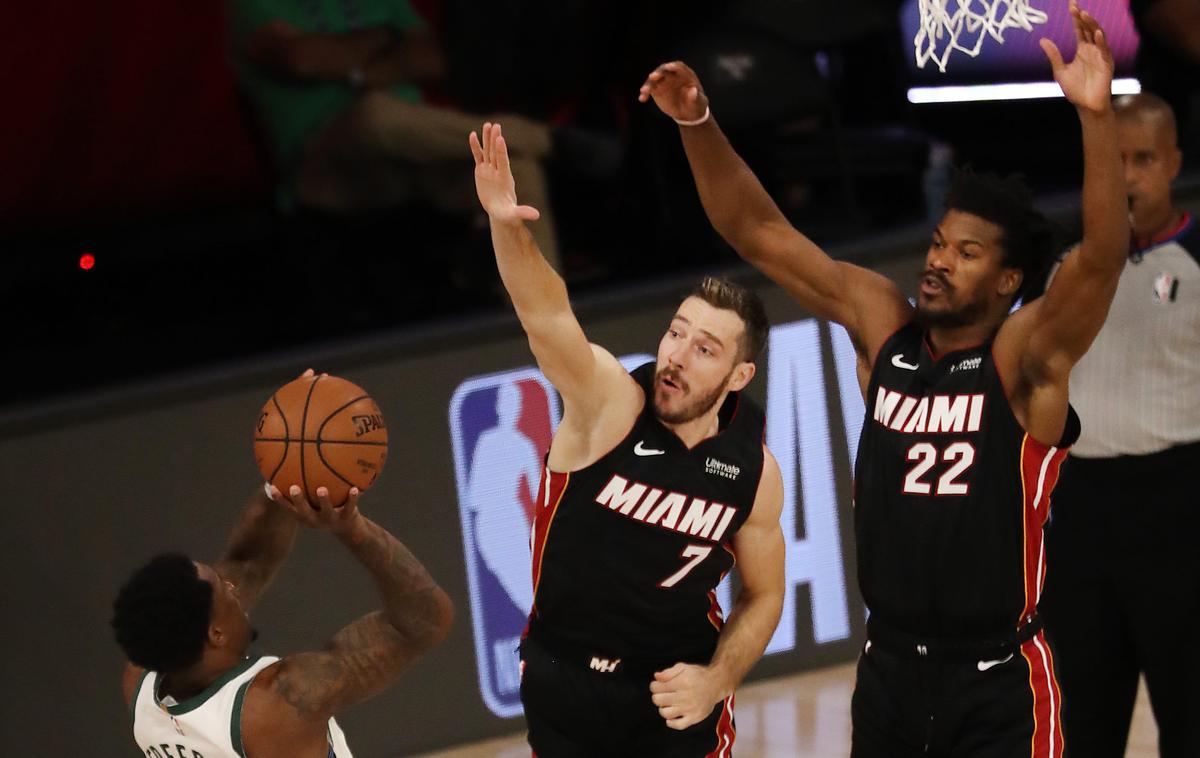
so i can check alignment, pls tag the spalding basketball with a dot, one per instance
(321, 431)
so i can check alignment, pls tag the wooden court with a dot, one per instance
(801, 716)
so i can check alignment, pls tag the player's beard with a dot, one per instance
(949, 318)
(967, 314)
(693, 410)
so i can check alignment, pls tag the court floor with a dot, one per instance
(806, 715)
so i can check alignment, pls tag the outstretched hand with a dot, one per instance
(1087, 80)
(494, 179)
(676, 91)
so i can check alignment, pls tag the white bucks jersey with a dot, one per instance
(208, 725)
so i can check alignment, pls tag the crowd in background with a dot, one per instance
(225, 166)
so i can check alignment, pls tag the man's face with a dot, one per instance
(963, 271)
(228, 616)
(697, 358)
(1151, 160)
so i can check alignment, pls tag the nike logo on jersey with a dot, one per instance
(651, 505)
(985, 665)
(898, 362)
(640, 449)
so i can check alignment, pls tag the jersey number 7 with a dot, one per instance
(696, 553)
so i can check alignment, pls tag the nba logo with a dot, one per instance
(501, 426)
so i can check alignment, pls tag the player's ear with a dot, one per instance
(742, 374)
(1010, 281)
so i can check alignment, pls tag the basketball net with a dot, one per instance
(964, 28)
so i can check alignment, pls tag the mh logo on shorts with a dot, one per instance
(500, 427)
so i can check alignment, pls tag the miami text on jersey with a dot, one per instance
(928, 415)
(644, 503)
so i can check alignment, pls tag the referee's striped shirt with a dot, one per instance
(1137, 390)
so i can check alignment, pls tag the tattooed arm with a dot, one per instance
(260, 541)
(294, 698)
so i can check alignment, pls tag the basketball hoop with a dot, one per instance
(943, 31)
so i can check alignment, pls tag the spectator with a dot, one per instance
(337, 87)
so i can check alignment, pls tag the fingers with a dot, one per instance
(299, 498)
(1102, 43)
(490, 153)
(528, 213)
(664, 699)
(665, 74)
(1052, 53)
(307, 374)
(669, 674)
(1077, 19)
(501, 151)
(295, 502)
(323, 505)
(671, 713)
(1088, 26)
(476, 148)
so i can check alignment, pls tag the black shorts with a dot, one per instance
(908, 704)
(575, 711)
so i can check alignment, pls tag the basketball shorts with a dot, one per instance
(576, 710)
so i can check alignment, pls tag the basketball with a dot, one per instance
(320, 431)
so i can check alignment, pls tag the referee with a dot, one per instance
(1123, 580)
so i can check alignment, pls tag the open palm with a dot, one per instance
(494, 179)
(1087, 80)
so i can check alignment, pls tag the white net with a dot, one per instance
(963, 25)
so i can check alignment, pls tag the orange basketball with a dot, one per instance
(320, 431)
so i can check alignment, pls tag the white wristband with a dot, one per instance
(697, 122)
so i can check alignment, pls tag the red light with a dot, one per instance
(87, 261)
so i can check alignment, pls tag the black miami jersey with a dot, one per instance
(951, 493)
(627, 552)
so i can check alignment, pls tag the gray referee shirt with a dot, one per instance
(1137, 390)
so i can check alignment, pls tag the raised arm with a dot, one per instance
(260, 541)
(293, 699)
(867, 304)
(589, 379)
(1046, 339)
(685, 693)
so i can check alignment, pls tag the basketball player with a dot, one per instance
(184, 627)
(967, 423)
(1123, 593)
(654, 483)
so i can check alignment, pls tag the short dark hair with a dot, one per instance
(1030, 239)
(161, 614)
(720, 292)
